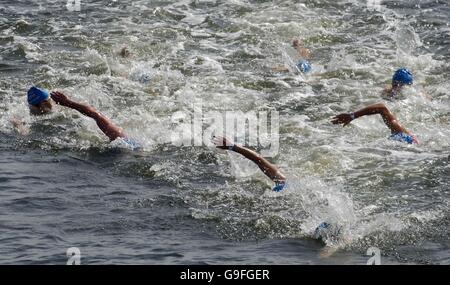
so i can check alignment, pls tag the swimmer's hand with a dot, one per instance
(15, 121)
(60, 98)
(222, 143)
(19, 126)
(343, 119)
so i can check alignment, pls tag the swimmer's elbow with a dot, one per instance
(380, 106)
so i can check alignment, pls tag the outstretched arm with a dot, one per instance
(389, 119)
(107, 127)
(268, 168)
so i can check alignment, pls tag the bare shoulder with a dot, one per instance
(387, 92)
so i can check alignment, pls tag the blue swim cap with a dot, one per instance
(36, 96)
(320, 233)
(304, 66)
(322, 226)
(279, 186)
(404, 76)
(145, 78)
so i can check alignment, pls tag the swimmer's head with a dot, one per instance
(328, 233)
(125, 52)
(402, 77)
(39, 101)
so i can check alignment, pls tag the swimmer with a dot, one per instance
(125, 52)
(332, 236)
(401, 78)
(303, 65)
(143, 76)
(398, 132)
(269, 169)
(40, 104)
(302, 52)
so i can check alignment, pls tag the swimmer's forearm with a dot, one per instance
(82, 108)
(266, 167)
(370, 110)
(248, 153)
(105, 125)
